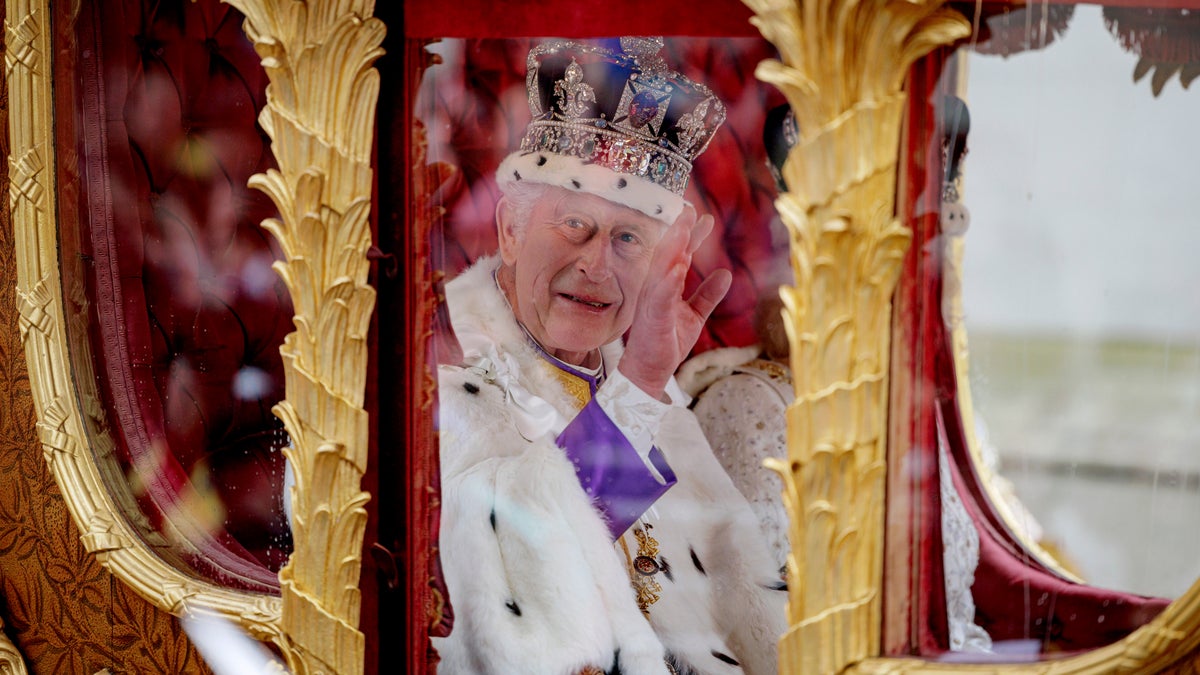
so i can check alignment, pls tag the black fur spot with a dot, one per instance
(616, 664)
(541, 160)
(725, 657)
(512, 607)
(516, 174)
(658, 210)
(666, 569)
(696, 561)
(471, 387)
(777, 586)
(492, 519)
(678, 665)
(621, 182)
(576, 183)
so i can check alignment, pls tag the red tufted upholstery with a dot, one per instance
(189, 314)
(475, 111)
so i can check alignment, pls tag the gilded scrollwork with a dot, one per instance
(842, 66)
(320, 108)
(42, 320)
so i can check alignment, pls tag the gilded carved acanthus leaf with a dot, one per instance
(841, 68)
(320, 117)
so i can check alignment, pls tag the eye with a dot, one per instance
(628, 238)
(575, 228)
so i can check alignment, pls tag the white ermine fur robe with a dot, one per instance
(536, 582)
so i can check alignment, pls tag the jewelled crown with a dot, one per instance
(619, 124)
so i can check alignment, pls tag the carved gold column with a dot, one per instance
(843, 63)
(320, 118)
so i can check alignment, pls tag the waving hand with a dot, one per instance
(666, 325)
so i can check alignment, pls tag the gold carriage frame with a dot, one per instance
(319, 115)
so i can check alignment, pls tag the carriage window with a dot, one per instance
(174, 314)
(473, 109)
(1077, 288)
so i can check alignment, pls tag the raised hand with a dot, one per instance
(666, 325)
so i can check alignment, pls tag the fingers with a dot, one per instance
(686, 218)
(684, 225)
(663, 291)
(710, 292)
(697, 228)
(673, 258)
(671, 251)
(683, 238)
(700, 232)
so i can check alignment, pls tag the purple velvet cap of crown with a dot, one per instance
(614, 123)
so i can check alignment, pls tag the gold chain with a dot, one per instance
(644, 567)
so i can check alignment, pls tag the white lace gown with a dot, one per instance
(740, 401)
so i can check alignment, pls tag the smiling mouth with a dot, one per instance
(586, 302)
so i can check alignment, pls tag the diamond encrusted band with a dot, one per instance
(611, 149)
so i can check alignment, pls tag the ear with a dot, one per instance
(506, 231)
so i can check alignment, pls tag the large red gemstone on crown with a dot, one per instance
(642, 109)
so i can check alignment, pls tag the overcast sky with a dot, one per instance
(1084, 193)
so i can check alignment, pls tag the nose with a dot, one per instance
(595, 259)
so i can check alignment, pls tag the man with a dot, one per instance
(586, 526)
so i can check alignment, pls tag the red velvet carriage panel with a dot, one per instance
(186, 314)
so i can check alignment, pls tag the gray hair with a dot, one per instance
(522, 196)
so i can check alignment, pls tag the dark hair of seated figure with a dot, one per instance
(780, 133)
(956, 123)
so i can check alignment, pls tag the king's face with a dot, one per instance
(576, 268)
